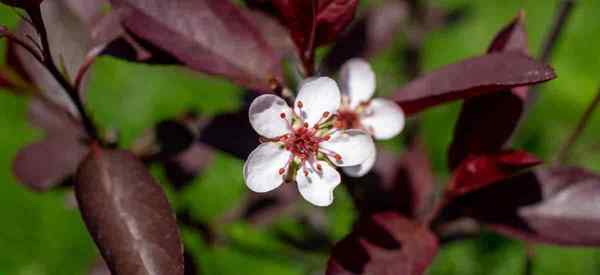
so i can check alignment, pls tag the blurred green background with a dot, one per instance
(41, 234)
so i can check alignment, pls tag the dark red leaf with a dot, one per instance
(370, 34)
(478, 171)
(25, 4)
(487, 122)
(404, 184)
(332, 18)
(208, 36)
(109, 31)
(47, 163)
(313, 23)
(570, 212)
(128, 215)
(70, 42)
(384, 244)
(184, 167)
(549, 205)
(99, 268)
(219, 133)
(472, 77)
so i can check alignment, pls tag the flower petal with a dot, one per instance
(261, 170)
(362, 169)
(354, 146)
(317, 188)
(384, 119)
(265, 116)
(358, 81)
(318, 96)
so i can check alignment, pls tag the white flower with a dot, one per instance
(301, 144)
(382, 118)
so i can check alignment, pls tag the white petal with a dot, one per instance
(265, 116)
(384, 119)
(354, 146)
(362, 169)
(318, 96)
(357, 80)
(261, 170)
(317, 188)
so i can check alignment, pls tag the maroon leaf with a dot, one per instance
(25, 4)
(386, 243)
(109, 31)
(47, 163)
(184, 167)
(208, 36)
(128, 215)
(219, 133)
(369, 35)
(487, 122)
(402, 184)
(570, 212)
(477, 171)
(313, 23)
(475, 76)
(550, 205)
(99, 268)
(70, 42)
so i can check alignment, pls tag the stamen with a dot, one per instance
(300, 104)
(338, 157)
(319, 167)
(305, 125)
(281, 171)
(326, 114)
(282, 115)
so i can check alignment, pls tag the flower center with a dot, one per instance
(303, 142)
(347, 119)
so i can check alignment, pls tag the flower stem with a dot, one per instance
(565, 149)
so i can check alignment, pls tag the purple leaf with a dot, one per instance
(314, 23)
(70, 42)
(472, 77)
(231, 133)
(487, 122)
(478, 171)
(385, 243)
(99, 268)
(370, 34)
(25, 4)
(109, 31)
(208, 36)
(556, 205)
(47, 163)
(128, 215)
(570, 211)
(182, 168)
(402, 184)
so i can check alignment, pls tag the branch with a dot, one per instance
(48, 62)
(10, 36)
(566, 148)
(564, 10)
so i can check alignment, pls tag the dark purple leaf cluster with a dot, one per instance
(401, 220)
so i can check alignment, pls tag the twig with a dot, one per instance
(559, 22)
(566, 148)
(72, 92)
(564, 11)
(5, 33)
(529, 255)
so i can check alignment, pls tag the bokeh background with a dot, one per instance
(42, 234)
